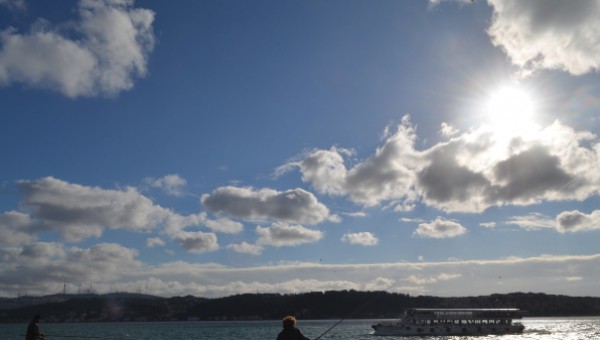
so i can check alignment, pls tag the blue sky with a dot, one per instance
(222, 147)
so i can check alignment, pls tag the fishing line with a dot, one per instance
(348, 315)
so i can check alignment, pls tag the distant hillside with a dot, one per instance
(316, 305)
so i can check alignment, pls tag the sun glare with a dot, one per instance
(510, 106)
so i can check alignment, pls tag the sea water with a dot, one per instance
(535, 328)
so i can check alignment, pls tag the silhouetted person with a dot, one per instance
(290, 332)
(33, 330)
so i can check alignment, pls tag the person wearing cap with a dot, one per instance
(290, 332)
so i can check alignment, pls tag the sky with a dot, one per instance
(213, 148)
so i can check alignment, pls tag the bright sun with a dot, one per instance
(511, 107)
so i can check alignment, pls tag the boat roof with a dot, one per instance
(466, 309)
(464, 313)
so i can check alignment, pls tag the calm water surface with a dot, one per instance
(535, 328)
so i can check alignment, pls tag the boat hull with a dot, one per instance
(400, 329)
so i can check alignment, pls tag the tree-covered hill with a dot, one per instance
(315, 305)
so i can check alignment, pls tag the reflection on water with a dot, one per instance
(535, 328)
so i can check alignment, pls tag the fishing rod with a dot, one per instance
(347, 316)
(330, 328)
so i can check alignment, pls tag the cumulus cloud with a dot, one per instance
(576, 221)
(197, 241)
(246, 248)
(483, 168)
(224, 225)
(529, 174)
(550, 34)
(446, 183)
(15, 228)
(77, 212)
(152, 242)
(387, 175)
(101, 53)
(294, 206)
(171, 184)
(471, 172)
(281, 234)
(106, 260)
(324, 169)
(362, 238)
(440, 228)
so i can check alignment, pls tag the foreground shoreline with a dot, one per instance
(535, 328)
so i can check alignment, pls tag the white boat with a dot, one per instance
(453, 321)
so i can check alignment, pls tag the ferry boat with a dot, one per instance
(453, 321)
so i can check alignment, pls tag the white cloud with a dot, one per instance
(362, 238)
(440, 228)
(294, 206)
(412, 220)
(281, 234)
(246, 248)
(422, 280)
(551, 34)
(380, 283)
(489, 225)
(224, 225)
(533, 221)
(447, 130)
(573, 278)
(152, 242)
(433, 3)
(576, 221)
(99, 54)
(356, 214)
(171, 184)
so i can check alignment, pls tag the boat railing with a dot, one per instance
(464, 314)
